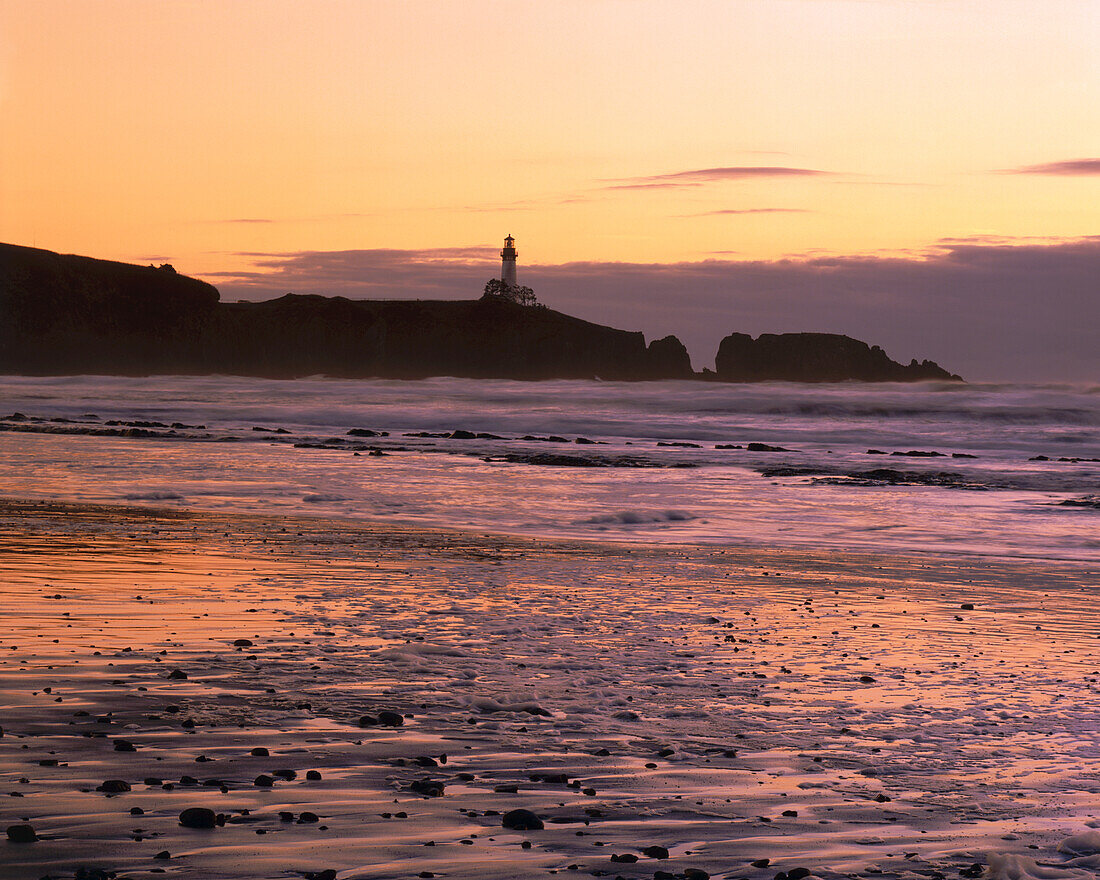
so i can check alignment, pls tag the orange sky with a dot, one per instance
(190, 131)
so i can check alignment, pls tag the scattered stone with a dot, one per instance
(243, 643)
(655, 852)
(263, 781)
(259, 752)
(22, 833)
(177, 675)
(313, 775)
(627, 858)
(198, 817)
(427, 787)
(124, 745)
(308, 818)
(522, 820)
(390, 719)
(113, 786)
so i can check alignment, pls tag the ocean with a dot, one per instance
(973, 469)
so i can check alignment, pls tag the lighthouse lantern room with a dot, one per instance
(508, 262)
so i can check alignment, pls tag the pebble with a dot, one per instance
(522, 820)
(22, 833)
(198, 817)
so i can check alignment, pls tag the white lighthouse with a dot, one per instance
(508, 262)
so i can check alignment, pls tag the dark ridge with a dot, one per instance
(815, 357)
(66, 314)
(69, 315)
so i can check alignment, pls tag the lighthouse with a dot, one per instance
(508, 262)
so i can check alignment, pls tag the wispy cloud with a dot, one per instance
(247, 220)
(699, 176)
(721, 211)
(1064, 168)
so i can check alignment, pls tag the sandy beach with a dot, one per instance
(663, 712)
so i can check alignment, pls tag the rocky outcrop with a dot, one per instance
(67, 314)
(669, 359)
(815, 357)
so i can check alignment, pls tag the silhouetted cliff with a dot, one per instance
(67, 314)
(63, 314)
(814, 357)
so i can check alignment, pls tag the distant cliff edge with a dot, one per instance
(815, 357)
(64, 314)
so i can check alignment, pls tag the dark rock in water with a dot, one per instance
(367, 432)
(729, 446)
(655, 852)
(425, 761)
(695, 874)
(764, 447)
(259, 752)
(669, 359)
(22, 833)
(326, 874)
(285, 773)
(761, 863)
(152, 780)
(1092, 501)
(313, 775)
(462, 435)
(113, 786)
(919, 453)
(874, 452)
(427, 787)
(522, 820)
(263, 781)
(177, 675)
(163, 855)
(124, 745)
(626, 858)
(798, 873)
(815, 357)
(967, 606)
(679, 443)
(390, 719)
(368, 720)
(243, 643)
(198, 817)
(308, 818)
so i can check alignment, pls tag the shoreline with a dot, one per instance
(675, 697)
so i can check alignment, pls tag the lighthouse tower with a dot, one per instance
(508, 262)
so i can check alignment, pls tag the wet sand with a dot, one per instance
(846, 714)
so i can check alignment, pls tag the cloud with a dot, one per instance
(248, 220)
(993, 311)
(700, 176)
(751, 211)
(1065, 168)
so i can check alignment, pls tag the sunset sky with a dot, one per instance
(768, 165)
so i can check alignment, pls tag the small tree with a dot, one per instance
(523, 296)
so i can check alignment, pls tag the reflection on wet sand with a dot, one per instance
(842, 713)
